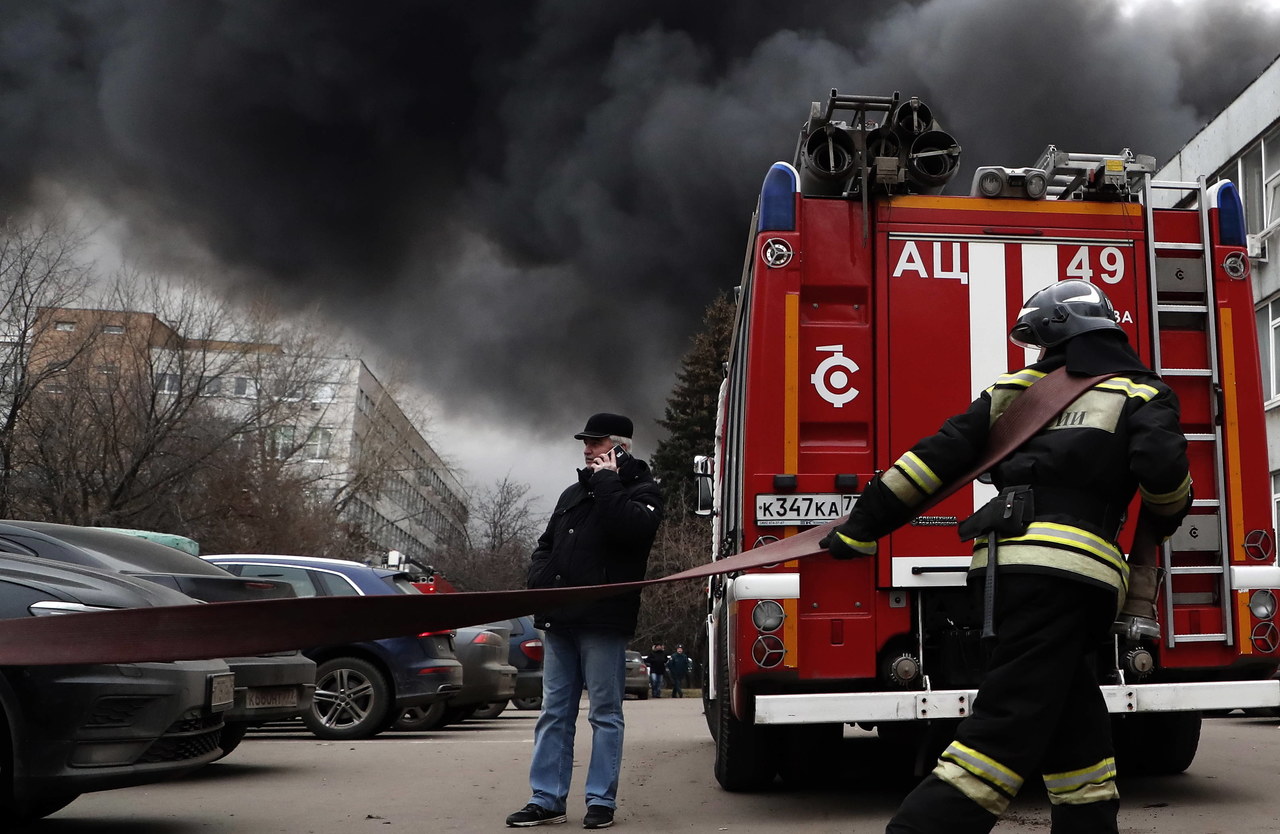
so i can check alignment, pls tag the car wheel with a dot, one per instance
(352, 700)
(232, 735)
(420, 718)
(527, 703)
(455, 715)
(490, 710)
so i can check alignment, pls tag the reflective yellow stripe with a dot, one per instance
(1086, 794)
(1023, 378)
(984, 767)
(902, 487)
(1166, 503)
(1072, 780)
(1129, 388)
(868, 548)
(971, 786)
(919, 472)
(1074, 537)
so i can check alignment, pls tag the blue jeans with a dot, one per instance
(655, 684)
(572, 657)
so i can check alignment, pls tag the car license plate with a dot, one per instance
(222, 691)
(271, 696)
(802, 508)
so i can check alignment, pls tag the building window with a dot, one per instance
(210, 386)
(281, 442)
(246, 387)
(1268, 322)
(319, 444)
(115, 329)
(168, 383)
(65, 326)
(1271, 173)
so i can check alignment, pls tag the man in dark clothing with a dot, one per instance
(656, 660)
(678, 668)
(1062, 575)
(600, 533)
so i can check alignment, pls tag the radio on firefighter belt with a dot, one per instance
(1026, 415)
(1009, 514)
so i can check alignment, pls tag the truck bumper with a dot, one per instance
(869, 707)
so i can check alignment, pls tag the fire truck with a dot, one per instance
(872, 307)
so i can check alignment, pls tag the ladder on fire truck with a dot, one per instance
(1183, 304)
(1196, 572)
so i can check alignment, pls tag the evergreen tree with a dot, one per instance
(690, 415)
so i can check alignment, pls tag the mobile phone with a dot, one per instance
(620, 455)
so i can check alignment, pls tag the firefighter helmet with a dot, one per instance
(1061, 311)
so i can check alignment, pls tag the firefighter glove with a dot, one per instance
(843, 546)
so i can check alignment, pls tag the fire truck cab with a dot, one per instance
(870, 309)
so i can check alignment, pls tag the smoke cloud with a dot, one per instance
(534, 202)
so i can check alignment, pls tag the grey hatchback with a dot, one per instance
(270, 687)
(68, 730)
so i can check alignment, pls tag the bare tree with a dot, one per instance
(501, 536)
(40, 269)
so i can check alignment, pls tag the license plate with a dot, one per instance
(222, 691)
(271, 696)
(802, 508)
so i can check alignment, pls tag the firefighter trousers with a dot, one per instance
(1039, 712)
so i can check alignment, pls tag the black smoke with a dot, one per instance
(533, 201)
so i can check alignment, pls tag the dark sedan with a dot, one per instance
(360, 687)
(270, 687)
(68, 730)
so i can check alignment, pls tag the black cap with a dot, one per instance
(606, 425)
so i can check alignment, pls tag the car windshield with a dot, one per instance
(124, 553)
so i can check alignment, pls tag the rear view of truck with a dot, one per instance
(870, 309)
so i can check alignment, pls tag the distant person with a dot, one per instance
(657, 663)
(678, 667)
(600, 533)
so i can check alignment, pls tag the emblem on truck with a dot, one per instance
(833, 377)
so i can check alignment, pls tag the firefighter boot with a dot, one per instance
(1137, 619)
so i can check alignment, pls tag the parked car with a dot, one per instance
(361, 688)
(270, 687)
(487, 679)
(637, 676)
(67, 730)
(526, 655)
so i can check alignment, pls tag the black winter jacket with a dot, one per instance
(600, 533)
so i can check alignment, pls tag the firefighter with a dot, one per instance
(1062, 577)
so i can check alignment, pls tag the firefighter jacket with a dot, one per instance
(600, 533)
(1120, 436)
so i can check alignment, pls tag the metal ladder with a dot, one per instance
(1189, 313)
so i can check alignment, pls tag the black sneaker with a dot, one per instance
(598, 816)
(537, 815)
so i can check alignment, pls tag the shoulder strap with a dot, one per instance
(1026, 415)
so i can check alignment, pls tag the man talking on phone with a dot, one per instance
(600, 533)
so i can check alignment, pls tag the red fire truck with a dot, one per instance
(870, 309)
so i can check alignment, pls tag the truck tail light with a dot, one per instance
(767, 615)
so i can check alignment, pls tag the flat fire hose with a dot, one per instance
(238, 629)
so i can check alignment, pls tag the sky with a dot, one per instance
(528, 205)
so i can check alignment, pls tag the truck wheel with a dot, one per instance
(1157, 743)
(744, 758)
(353, 700)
